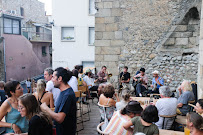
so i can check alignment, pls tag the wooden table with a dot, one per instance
(170, 132)
(143, 99)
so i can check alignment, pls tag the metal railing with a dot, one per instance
(37, 36)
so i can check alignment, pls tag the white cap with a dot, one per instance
(155, 72)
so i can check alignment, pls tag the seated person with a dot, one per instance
(186, 95)
(144, 124)
(2, 92)
(115, 125)
(89, 80)
(166, 106)
(102, 75)
(199, 107)
(125, 99)
(73, 82)
(124, 76)
(141, 87)
(43, 96)
(157, 82)
(106, 99)
(101, 88)
(194, 123)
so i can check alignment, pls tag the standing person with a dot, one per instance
(43, 96)
(124, 76)
(28, 84)
(141, 87)
(186, 96)
(102, 75)
(14, 122)
(157, 82)
(48, 72)
(73, 82)
(65, 109)
(166, 106)
(40, 123)
(2, 92)
(195, 123)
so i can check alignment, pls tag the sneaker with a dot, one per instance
(140, 95)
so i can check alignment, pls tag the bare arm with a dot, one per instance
(180, 105)
(51, 101)
(128, 125)
(84, 83)
(58, 117)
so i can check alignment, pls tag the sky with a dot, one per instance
(48, 6)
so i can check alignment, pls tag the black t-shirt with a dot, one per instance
(126, 76)
(66, 103)
(39, 126)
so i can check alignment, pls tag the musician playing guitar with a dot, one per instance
(102, 75)
(124, 76)
(141, 87)
(157, 82)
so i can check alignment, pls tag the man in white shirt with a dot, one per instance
(73, 82)
(90, 81)
(48, 72)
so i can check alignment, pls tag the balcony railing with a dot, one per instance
(38, 36)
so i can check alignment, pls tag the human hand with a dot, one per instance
(44, 107)
(16, 129)
(152, 86)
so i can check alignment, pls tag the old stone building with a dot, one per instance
(155, 34)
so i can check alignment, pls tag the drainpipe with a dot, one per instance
(4, 59)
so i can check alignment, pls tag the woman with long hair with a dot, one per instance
(43, 96)
(39, 122)
(14, 123)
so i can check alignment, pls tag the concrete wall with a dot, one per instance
(152, 34)
(72, 13)
(21, 60)
(2, 71)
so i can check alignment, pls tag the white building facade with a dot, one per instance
(73, 33)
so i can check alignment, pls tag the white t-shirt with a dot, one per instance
(55, 91)
(89, 81)
(166, 106)
(28, 83)
(73, 82)
(121, 105)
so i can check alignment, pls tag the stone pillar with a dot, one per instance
(200, 66)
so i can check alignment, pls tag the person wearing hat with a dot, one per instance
(120, 117)
(89, 80)
(157, 82)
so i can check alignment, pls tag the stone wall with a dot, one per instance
(155, 34)
(2, 72)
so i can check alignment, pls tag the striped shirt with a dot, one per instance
(115, 126)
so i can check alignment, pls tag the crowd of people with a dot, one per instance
(32, 113)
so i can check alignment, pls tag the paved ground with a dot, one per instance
(90, 127)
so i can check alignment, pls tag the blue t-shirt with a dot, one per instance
(2, 96)
(161, 80)
(184, 98)
(66, 103)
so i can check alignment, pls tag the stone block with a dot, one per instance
(108, 35)
(194, 40)
(193, 28)
(97, 50)
(110, 50)
(181, 28)
(99, 20)
(99, 57)
(116, 4)
(108, 5)
(112, 27)
(117, 42)
(181, 41)
(118, 35)
(152, 56)
(100, 27)
(107, 0)
(110, 57)
(116, 12)
(98, 35)
(170, 41)
(109, 19)
(102, 43)
(182, 34)
(104, 12)
(99, 5)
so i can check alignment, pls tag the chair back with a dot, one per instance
(77, 94)
(82, 88)
(191, 102)
(99, 129)
(165, 121)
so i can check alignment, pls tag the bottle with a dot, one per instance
(151, 98)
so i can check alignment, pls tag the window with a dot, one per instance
(91, 35)
(67, 34)
(37, 30)
(92, 9)
(44, 53)
(21, 11)
(11, 26)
